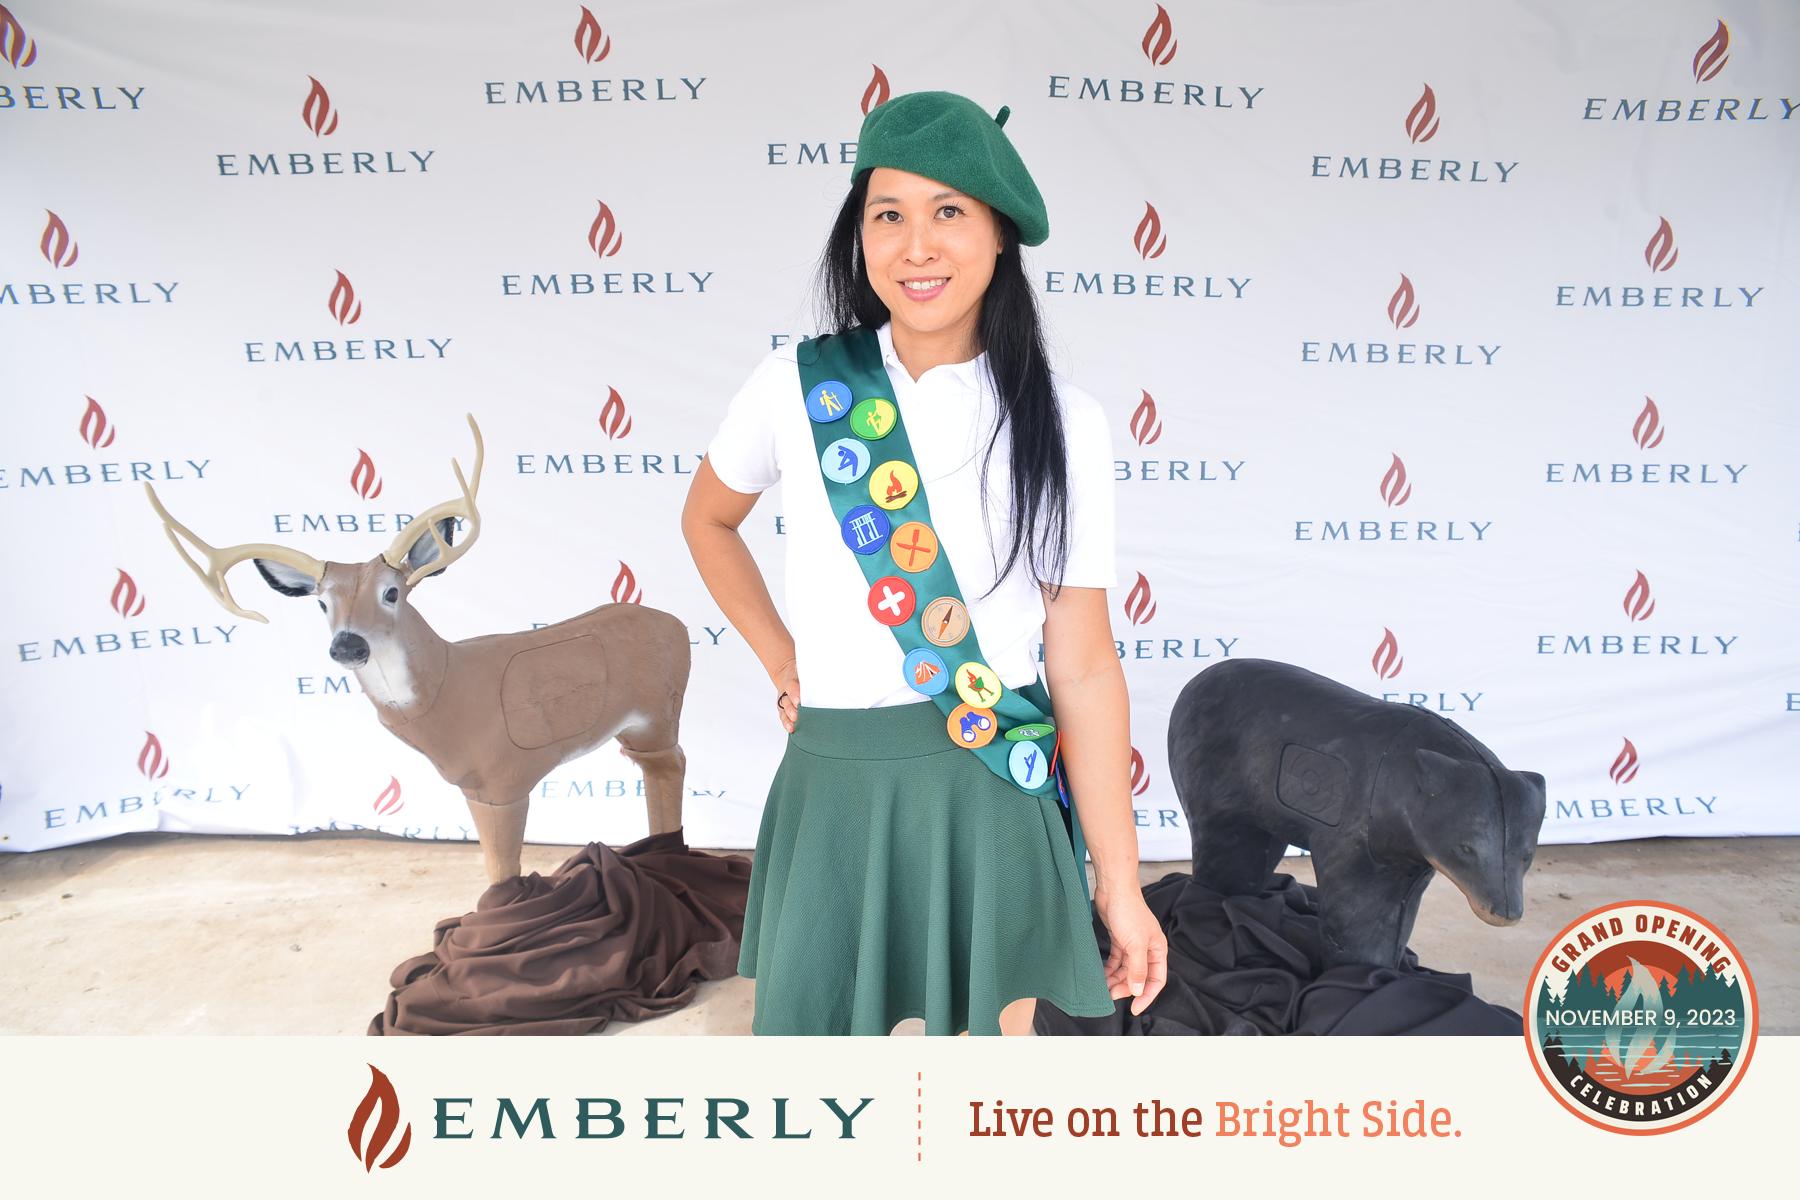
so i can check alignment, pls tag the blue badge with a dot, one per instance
(865, 529)
(829, 401)
(845, 460)
(1029, 763)
(925, 672)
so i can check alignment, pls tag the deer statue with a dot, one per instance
(494, 714)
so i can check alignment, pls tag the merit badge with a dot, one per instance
(891, 600)
(845, 460)
(1030, 732)
(971, 728)
(893, 484)
(828, 401)
(925, 672)
(914, 547)
(978, 685)
(1029, 764)
(1640, 1017)
(865, 529)
(945, 620)
(873, 418)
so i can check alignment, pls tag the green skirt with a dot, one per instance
(896, 876)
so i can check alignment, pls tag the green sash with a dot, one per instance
(856, 423)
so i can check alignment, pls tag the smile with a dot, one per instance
(924, 289)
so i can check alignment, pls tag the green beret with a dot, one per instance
(948, 137)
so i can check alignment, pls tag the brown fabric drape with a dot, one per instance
(608, 935)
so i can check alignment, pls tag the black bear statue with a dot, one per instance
(1266, 754)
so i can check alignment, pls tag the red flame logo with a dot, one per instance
(1711, 57)
(591, 42)
(380, 1095)
(1159, 39)
(1139, 607)
(625, 589)
(363, 477)
(613, 418)
(1625, 767)
(878, 91)
(1394, 488)
(1149, 238)
(125, 599)
(603, 235)
(317, 112)
(1660, 251)
(57, 244)
(1638, 602)
(343, 303)
(1140, 774)
(94, 429)
(389, 802)
(1648, 430)
(1422, 122)
(150, 759)
(1386, 660)
(1403, 305)
(1146, 426)
(20, 50)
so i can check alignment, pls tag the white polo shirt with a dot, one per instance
(845, 658)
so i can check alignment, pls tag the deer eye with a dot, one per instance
(391, 595)
(321, 606)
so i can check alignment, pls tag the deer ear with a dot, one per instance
(424, 550)
(285, 579)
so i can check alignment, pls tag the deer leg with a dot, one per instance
(665, 772)
(501, 828)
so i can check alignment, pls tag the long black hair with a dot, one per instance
(1009, 331)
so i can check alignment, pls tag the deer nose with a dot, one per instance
(349, 649)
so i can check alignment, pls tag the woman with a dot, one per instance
(898, 873)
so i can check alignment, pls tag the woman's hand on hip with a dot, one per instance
(787, 686)
(1139, 962)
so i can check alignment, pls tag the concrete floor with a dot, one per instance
(174, 933)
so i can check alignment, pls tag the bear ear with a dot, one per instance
(1444, 777)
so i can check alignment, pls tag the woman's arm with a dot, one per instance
(1093, 712)
(709, 522)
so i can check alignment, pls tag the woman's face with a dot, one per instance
(929, 250)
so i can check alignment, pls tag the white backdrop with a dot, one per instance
(1450, 350)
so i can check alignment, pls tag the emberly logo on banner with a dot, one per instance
(128, 601)
(345, 307)
(1661, 253)
(1146, 429)
(605, 240)
(1648, 431)
(320, 117)
(365, 484)
(19, 50)
(1159, 45)
(153, 763)
(1139, 608)
(1388, 661)
(99, 433)
(592, 45)
(1421, 126)
(1150, 241)
(1640, 806)
(59, 248)
(1707, 64)
(1639, 604)
(821, 151)
(615, 421)
(1395, 490)
(1403, 311)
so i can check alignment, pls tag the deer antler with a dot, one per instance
(220, 561)
(465, 507)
